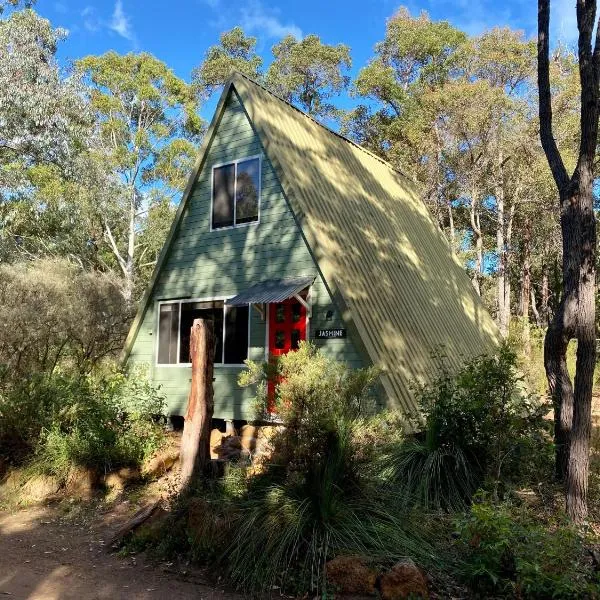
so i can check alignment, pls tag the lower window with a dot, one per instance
(175, 324)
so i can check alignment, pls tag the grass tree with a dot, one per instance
(575, 317)
(148, 123)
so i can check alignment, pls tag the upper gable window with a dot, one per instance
(236, 193)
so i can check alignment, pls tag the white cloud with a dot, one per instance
(255, 18)
(120, 23)
(563, 21)
(91, 22)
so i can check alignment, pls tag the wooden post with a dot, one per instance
(195, 441)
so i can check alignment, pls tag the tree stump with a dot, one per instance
(195, 441)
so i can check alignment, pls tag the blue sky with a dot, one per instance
(179, 31)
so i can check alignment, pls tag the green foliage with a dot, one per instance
(101, 421)
(308, 73)
(287, 530)
(480, 426)
(55, 314)
(44, 119)
(508, 553)
(317, 496)
(235, 52)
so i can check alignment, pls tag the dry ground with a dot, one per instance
(47, 554)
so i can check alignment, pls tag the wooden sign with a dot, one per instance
(330, 334)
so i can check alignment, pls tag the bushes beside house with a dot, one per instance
(346, 485)
(63, 402)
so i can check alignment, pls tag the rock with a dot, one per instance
(351, 575)
(216, 438)
(403, 580)
(82, 482)
(161, 462)
(120, 479)
(39, 488)
(249, 431)
(248, 443)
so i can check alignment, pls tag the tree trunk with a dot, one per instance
(478, 238)
(526, 286)
(501, 252)
(575, 317)
(544, 313)
(195, 441)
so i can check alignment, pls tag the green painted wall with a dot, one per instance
(203, 264)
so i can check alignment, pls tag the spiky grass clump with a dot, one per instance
(287, 531)
(439, 478)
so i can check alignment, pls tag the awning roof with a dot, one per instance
(273, 290)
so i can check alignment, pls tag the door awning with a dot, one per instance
(273, 290)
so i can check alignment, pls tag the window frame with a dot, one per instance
(212, 191)
(181, 301)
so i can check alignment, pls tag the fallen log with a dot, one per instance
(141, 516)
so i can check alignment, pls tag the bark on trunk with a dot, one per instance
(526, 286)
(544, 312)
(478, 238)
(501, 275)
(575, 317)
(195, 441)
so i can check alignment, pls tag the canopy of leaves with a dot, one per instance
(308, 73)
(235, 52)
(44, 118)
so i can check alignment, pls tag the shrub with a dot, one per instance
(480, 425)
(53, 314)
(317, 498)
(101, 421)
(507, 552)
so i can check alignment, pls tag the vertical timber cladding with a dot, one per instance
(222, 263)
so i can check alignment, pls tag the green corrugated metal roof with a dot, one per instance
(275, 290)
(376, 244)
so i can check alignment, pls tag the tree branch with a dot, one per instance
(588, 75)
(555, 161)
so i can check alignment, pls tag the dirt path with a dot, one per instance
(47, 555)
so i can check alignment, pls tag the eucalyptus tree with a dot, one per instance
(415, 59)
(147, 129)
(575, 317)
(43, 117)
(45, 126)
(4, 4)
(235, 52)
(309, 73)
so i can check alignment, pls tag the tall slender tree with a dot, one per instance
(148, 126)
(575, 317)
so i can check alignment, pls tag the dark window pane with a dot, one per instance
(236, 335)
(168, 321)
(296, 312)
(247, 191)
(279, 339)
(223, 192)
(295, 339)
(280, 313)
(200, 310)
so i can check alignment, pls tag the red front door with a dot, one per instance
(287, 328)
